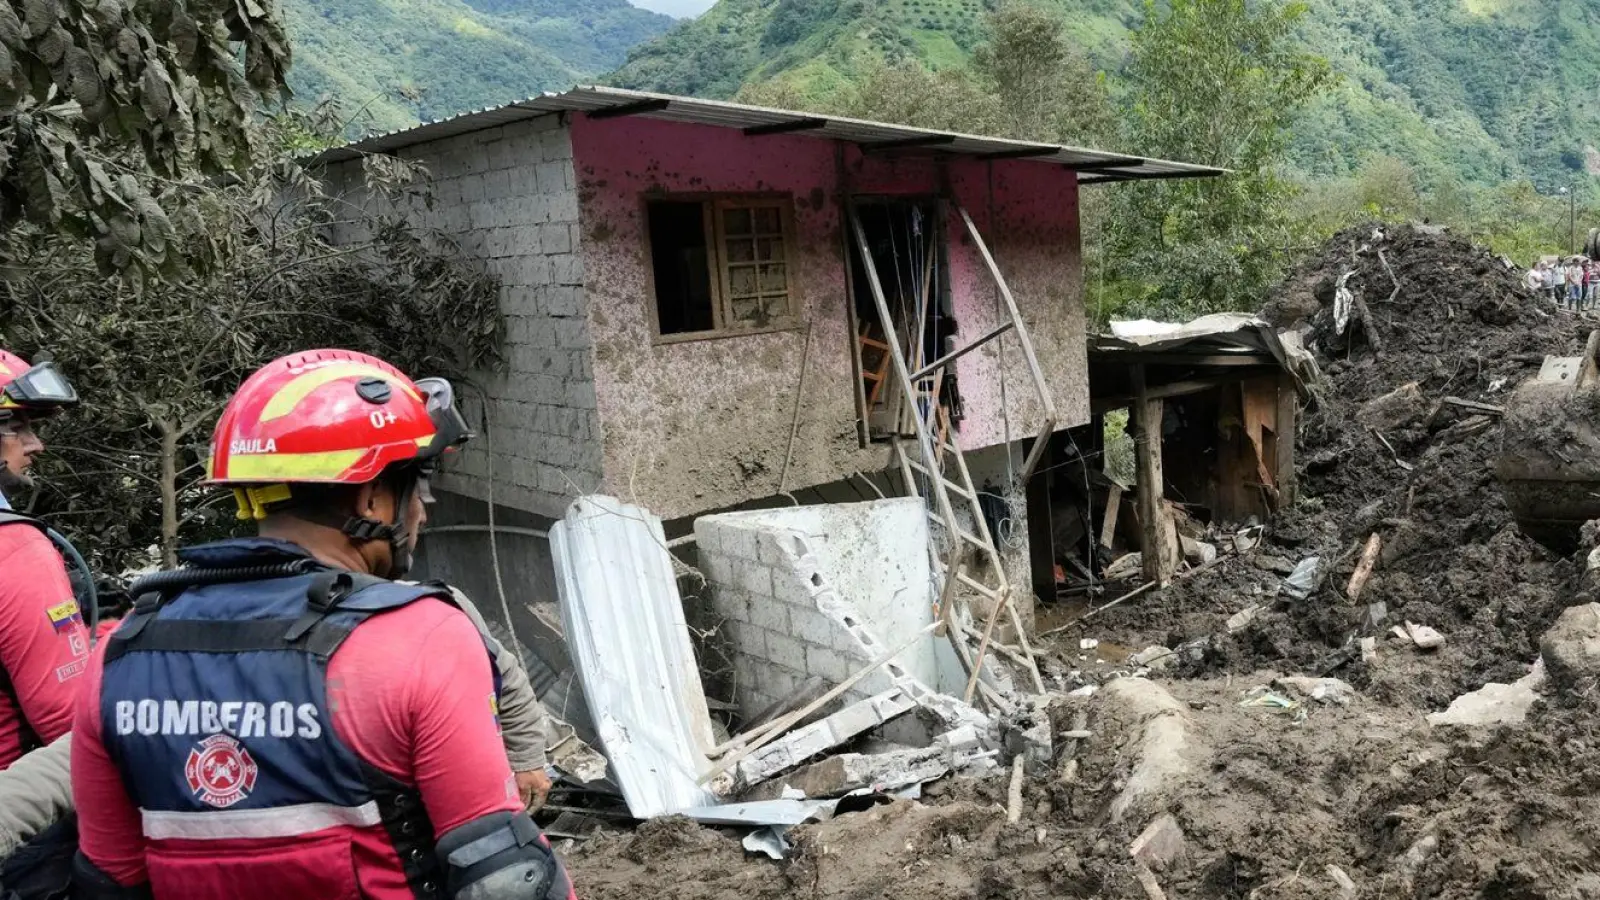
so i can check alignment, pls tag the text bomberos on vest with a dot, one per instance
(245, 719)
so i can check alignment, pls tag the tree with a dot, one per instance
(1215, 82)
(155, 364)
(108, 108)
(1044, 88)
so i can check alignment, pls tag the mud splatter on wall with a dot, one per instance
(692, 425)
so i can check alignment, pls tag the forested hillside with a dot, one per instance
(392, 63)
(1484, 90)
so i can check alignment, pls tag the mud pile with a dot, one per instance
(1380, 451)
(1318, 800)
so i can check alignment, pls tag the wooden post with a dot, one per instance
(1159, 554)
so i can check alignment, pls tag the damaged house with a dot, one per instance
(745, 321)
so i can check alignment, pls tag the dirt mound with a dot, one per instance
(1381, 452)
(1318, 800)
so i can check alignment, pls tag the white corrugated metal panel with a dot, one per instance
(630, 646)
(1095, 165)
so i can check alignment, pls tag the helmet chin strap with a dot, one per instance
(362, 529)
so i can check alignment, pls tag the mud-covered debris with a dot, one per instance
(1161, 843)
(1571, 650)
(1331, 691)
(1304, 580)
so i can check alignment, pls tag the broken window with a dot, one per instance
(721, 265)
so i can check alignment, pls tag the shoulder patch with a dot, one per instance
(64, 615)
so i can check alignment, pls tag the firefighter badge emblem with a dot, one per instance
(220, 771)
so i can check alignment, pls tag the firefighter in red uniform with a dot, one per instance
(276, 719)
(44, 646)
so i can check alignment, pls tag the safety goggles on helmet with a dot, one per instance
(450, 428)
(43, 387)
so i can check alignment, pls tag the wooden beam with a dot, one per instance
(1176, 389)
(630, 109)
(1158, 553)
(921, 140)
(1108, 522)
(793, 125)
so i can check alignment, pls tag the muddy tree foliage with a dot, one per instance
(155, 364)
(1333, 802)
(108, 108)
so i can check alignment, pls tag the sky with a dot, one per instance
(678, 8)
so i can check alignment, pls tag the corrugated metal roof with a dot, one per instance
(1095, 166)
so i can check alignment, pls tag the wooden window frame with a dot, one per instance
(711, 207)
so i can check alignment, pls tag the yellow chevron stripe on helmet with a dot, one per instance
(289, 396)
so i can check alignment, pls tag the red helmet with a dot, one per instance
(37, 390)
(331, 417)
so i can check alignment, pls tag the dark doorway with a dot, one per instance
(906, 241)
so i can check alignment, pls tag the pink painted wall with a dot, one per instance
(698, 425)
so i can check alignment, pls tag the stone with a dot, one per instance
(1424, 637)
(1271, 562)
(1400, 633)
(1494, 704)
(1197, 552)
(1400, 408)
(1161, 843)
(1242, 619)
(1375, 616)
(1369, 650)
(1571, 649)
(1331, 691)
(1154, 656)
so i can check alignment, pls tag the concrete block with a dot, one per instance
(580, 391)
(839, 775)
(741, 542)
(770, 549)
(475, 162)
(827, 664)
(471, 188)
(521, 181)
(550, 178)
(795, 590)
(568, 268)
(771, 615)
(784, 650)
(564, 300)
(755, 579)
(802, 744)
(501, 153)
(556, 238)
(555, 145)
(496, 184)
(813, 627)
(564, 207)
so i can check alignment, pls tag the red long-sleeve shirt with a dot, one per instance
(44, 646)
(409, 692)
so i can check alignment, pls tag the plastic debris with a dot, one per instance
(1323, 690)
(1305, 578)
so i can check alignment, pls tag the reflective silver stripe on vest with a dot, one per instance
(282, 821)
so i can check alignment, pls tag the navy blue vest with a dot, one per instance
(214, 697)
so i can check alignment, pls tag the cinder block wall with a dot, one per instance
(509, 196)
(820, 590)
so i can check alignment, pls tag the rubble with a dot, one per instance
(1571, 650)
(1360, 766)
(1495, 704)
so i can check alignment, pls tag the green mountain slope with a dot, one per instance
(392, 63)
(1479, 89)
